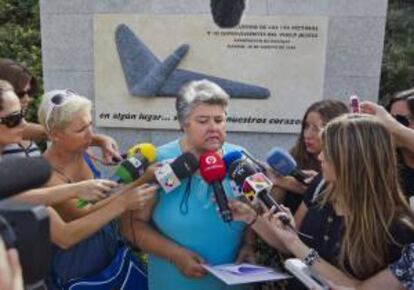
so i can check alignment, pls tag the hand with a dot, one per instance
(242, 211)
(140, 197)
(246, 255)
(189, 263)
(273, 222)
(380, 112)
(109, 147)
(10, 269)
(94, 189)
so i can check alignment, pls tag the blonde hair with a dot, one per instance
(52, 115)
(366, 188)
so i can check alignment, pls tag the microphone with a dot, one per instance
(169, 175)
(253, 183)
(213, 171)
(18, 175)
(284, 164)
(130, 169)
(227, 13)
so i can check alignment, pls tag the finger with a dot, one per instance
(108, 182)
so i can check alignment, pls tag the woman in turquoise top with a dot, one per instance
(186, 230)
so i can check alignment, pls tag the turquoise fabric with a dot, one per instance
(194, 224)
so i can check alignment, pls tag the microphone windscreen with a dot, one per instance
(184, 165)
(239, 170)
(18, 175)
(227, 13)
(212, 167)
(146, 149)
(281, 161)
(232, 156)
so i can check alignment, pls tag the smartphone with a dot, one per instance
(305, 275)
(354, 104)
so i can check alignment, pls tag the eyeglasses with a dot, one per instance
(57, 100)
(12, 120)
(404, 120)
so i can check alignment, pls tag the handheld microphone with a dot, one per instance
(130, 169)
(169, 174)
(213, 171)
(227, 13)
(284, 164)
(18, 175)
(254, 184)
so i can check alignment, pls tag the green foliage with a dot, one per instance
(20, 38)
(398, 61)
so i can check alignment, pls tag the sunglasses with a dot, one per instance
(12, 120)
(403, 120)
(57, 101)
(22, 94)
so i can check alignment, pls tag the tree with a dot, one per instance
(397, 71)
(20, 39)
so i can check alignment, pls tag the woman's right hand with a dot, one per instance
(140, 197)
(94, 189)
(189, 263)
(242, 211)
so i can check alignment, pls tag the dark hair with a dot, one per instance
(17, 75)
(407, 95)
(327, 109)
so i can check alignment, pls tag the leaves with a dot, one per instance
(20, 39)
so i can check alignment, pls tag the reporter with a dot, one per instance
(78, 234)
(362, 220)
(307, 149)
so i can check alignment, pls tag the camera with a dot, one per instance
(25, 226)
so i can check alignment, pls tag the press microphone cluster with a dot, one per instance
(133, 167)
(253, 184)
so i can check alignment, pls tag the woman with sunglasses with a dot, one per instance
(85, 240)
(401, 107)
(25, 85)
(12, 123)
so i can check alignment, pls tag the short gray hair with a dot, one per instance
(51, 115)
(196, 93)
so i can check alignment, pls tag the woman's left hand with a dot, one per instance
(274, 223)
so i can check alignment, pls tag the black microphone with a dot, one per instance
(253, 183)
(169, 174)
(227, 13)
(18, 175)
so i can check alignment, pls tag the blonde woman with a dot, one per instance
(361, 221)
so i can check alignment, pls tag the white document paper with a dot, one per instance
(233, 274)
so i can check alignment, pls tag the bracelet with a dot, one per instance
(311, 257)
(254, 220)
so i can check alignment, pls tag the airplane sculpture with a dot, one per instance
(147, 76)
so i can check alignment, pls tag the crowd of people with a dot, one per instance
(353, 210)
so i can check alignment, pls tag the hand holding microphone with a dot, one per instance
(284, 164)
